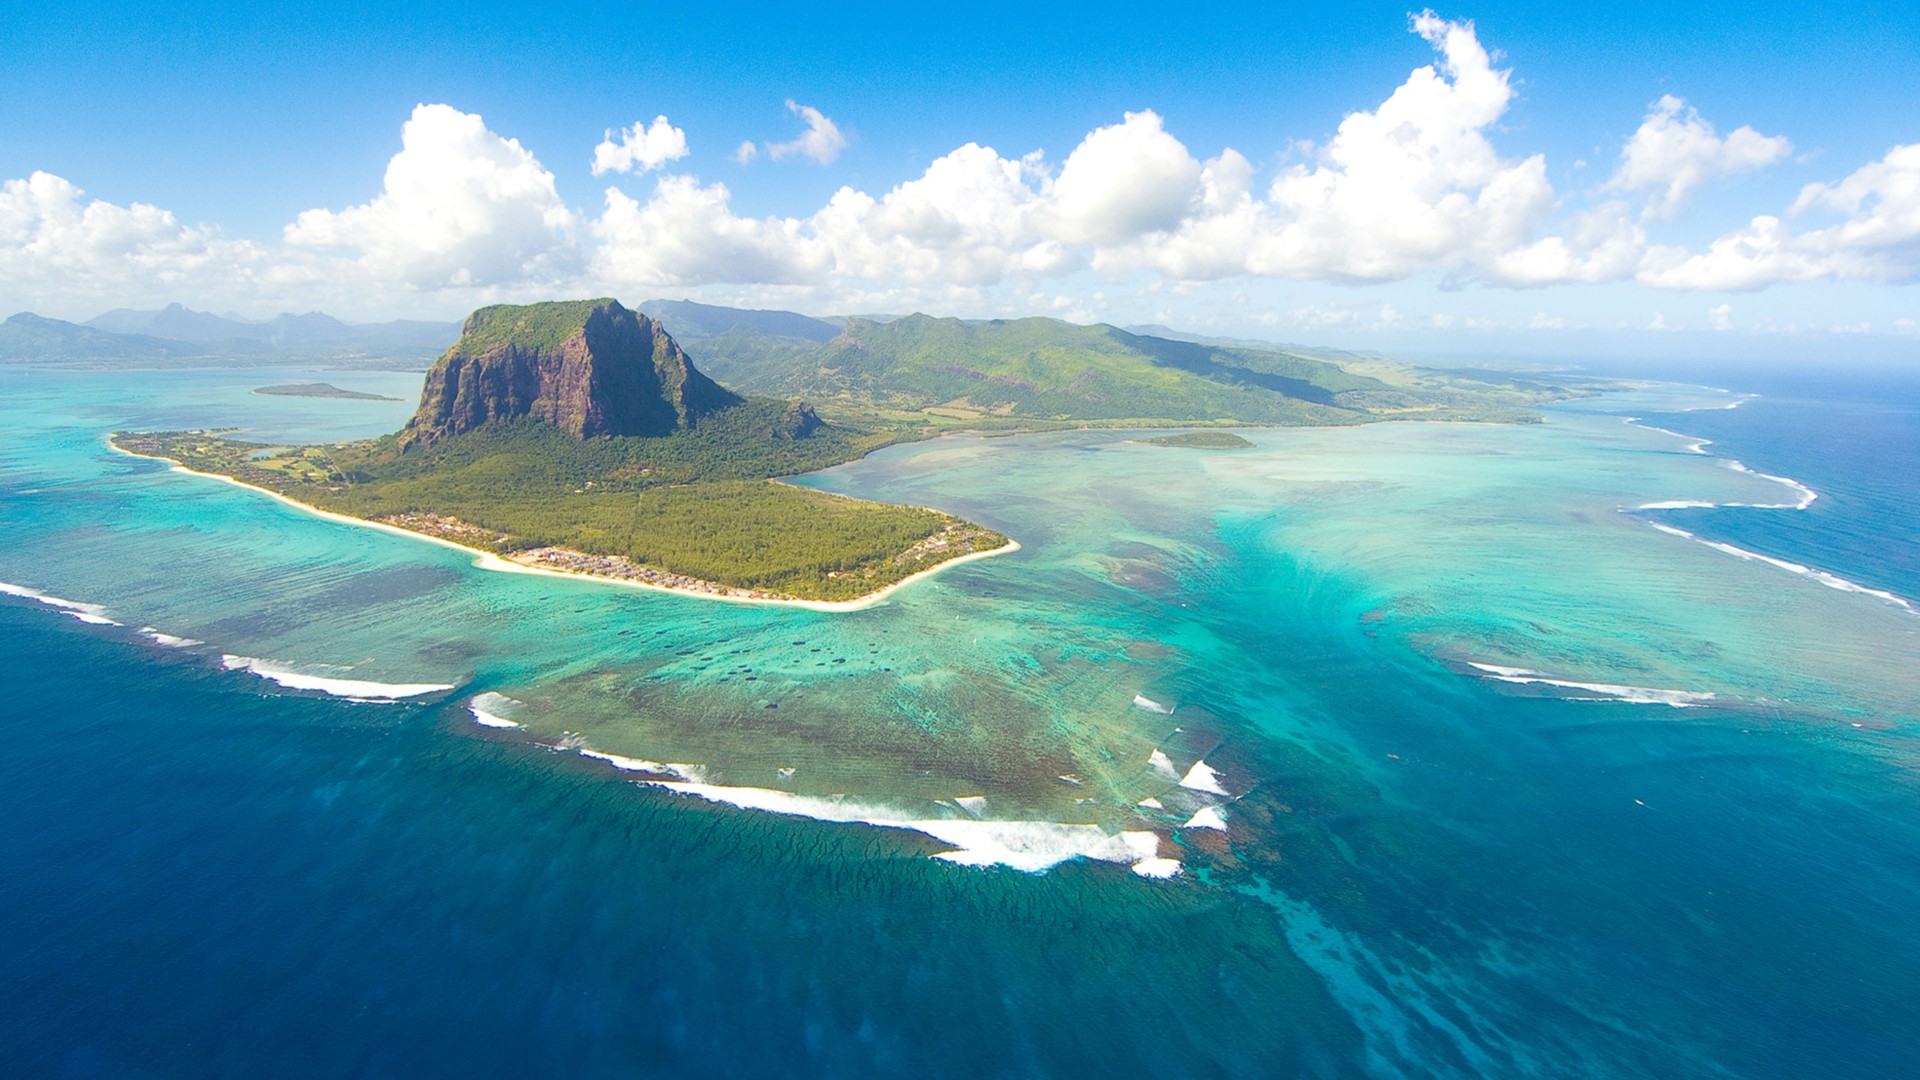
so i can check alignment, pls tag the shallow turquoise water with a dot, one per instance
(1425, 870)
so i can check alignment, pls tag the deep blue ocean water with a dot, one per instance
(1852, 436)
(203, 876)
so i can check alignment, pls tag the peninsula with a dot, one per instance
(318, 390)
(578, 437)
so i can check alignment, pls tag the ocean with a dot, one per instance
(1404, 750)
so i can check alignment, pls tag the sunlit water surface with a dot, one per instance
(1398, 750)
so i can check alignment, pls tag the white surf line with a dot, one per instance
(1028, 846)
(694, 774)
(1734, 404)
(487, 560)
(1637, 695)
(93, 614)
(490, 709)
(1831, 581)
(1695, 444)
(1806, 497)
(1807, 494)
(292, 678)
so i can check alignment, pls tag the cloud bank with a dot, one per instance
(1416, 186)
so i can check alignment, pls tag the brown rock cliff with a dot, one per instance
(590, 367)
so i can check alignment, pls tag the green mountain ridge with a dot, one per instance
(691, 321)
(1040, 368)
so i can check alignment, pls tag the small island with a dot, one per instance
(319, 390)
(1201, 440)
(578, 438)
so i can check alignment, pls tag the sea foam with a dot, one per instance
(1806, 494)
(1029, 846)
(1695, 444)
(1203, 777)
(95, 614)
(1831, 581)
(691, 773)
(1207, 817)
(358, 689)
(1637, 695)
(491, 709)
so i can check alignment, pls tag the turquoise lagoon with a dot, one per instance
(1407, 749)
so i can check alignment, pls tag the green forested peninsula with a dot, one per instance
(579, 437)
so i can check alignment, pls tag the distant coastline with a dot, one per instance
(487, 560)
(318, 390)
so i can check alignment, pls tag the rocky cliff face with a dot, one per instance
(590, 367)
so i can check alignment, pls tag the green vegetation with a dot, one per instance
(696, 504)
(616, 456)
(526, 326)
(1035, 373)
(1202, 440)
(319, 390)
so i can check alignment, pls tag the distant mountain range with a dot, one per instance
(286, 330)
(177, 335)
(688, 321)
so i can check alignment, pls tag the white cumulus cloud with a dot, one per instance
(461, 206)
(641, 147)
(1876, 239)
(1675, 150)
(688, 234)
(60, 248)
(1124, 180)
(1413, 184)
(822, 141)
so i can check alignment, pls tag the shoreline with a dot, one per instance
(488, 560)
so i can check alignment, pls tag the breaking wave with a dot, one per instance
(292, 678)
(1637, 695)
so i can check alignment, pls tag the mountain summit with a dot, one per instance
(589, 367)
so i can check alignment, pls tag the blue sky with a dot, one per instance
(1192, 169)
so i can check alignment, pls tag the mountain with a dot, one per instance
(578, 436)
(1040, 368)
(589, 367)
(1311, 352)
(176, 322)
(27, 336)
(309, 332)
(690, 321)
